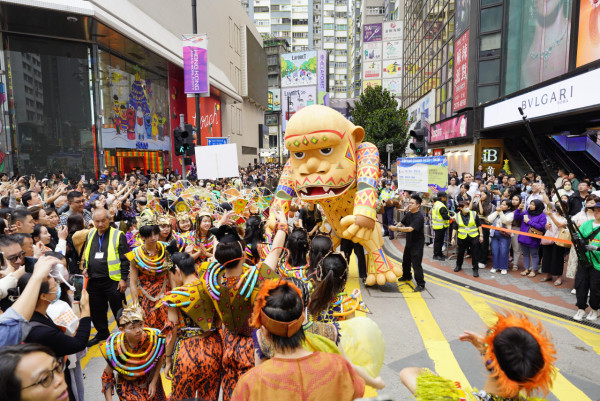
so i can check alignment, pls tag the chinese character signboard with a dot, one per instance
(299, 69)
(392, 30)
(392, 49)
(461, 65)
(195, 64)
(372, 51)
(392, 68)
(371, 83)
(372, 32)
(372, 70)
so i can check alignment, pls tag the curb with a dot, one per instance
(540, 306)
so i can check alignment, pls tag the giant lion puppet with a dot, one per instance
(331, 165)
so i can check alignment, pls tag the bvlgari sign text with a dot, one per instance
(571, 94)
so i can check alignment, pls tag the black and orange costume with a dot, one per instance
(135, 366)
(153, 282)
(198, 351)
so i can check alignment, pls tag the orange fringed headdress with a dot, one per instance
(543, 379)
(259, 318)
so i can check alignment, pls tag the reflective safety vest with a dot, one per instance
(466, 229)
(437, 221)
(112, 258)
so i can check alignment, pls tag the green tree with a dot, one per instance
(383, 121)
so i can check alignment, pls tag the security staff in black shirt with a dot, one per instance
(413, 224)
(107, 269)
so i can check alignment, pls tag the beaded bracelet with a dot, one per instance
(283, 227)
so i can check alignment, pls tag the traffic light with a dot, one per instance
(184, 140)
(419, 146)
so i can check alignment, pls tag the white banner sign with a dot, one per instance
(413, 178)
(571, 94)
(219, 161)
(392, 49)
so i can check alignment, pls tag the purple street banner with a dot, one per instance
(195, 63)
(372, 32)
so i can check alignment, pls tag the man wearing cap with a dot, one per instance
(385, 197)
(440, 221)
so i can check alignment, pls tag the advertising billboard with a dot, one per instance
(455, 127)
(588, 41)
(461, 16)
(372, 70)
(426, 105)
(322, 70)
(371, 83)
(274, 99)
(461, 66)
(372, 32)
(393, 85)
(392, 68)
(392, 49)
(392, 30)
(295, 99)
(210, 120)
(423, 174)
(195, 64)
(299, 69)
(372, 51)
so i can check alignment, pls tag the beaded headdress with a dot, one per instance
(163, 219)
(148, 219)
(259, 317)
(542, 380)
(131, 313)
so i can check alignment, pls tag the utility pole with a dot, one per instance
(196, 95)
(182, 127)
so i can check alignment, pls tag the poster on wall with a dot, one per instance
(423, 174)
(392, 30)
(392, 68)
(424, 106)
(137, 119)
(372, 51)
(455, 127)
(372, 70)
(274, 99)
(295, 99)
(461, 16)
(298, 69)
(371, 83)
(392, 49)
(461, 65)
(393, 85)
(372, 32)
(588, 41)
(195, 63)
(210, 120)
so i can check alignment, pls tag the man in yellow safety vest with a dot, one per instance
(469, 233)
(107, 269)
(440, 221)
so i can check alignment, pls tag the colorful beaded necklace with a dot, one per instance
(248, 279)
(130, 364)
(153, 265)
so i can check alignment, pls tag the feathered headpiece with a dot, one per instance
(147, 219)
(182, 216)
(542, 380)
(131, 313)
(259, 318)
(163, 219)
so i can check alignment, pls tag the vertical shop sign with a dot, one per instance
(461, 65)
(322, 93)
(195, 64)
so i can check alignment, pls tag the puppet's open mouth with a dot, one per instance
(321, 192)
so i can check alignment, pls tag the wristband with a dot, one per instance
(283, 227)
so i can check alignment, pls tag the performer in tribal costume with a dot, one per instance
(258, 243)
(205, 241)
(136, 353)
(233, 286)
(149, 278)
(194, 348)
(518, 355)
(296, 263)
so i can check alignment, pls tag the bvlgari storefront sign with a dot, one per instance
(571, 94)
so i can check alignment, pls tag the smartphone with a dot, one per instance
(2, 260)
(494, 187)
(78, 284)
(83, 177)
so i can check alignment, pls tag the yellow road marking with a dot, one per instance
(562, 388)
(434, 341)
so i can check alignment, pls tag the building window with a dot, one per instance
(490, 45)
(375, 10)
(341, 27)
(263, 22)
(299, 22)
(487, 93)
(489, 71)
(261, 9)
(341, 14)
(299, 35)
(342, 39)
(341, 65)
(491, 19)
(300, 9)
(329, 26)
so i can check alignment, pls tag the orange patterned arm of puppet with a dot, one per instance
(285, 190)
(366, 198)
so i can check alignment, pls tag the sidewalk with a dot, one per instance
(530, 292)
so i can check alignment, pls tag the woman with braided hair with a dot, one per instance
(257, 242)
(296, 263)
(293, 373)
(518, 355)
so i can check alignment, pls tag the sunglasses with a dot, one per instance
(14, 258)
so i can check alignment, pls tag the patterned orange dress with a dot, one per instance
(132, 388)
(198, 353)
(153, 283)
